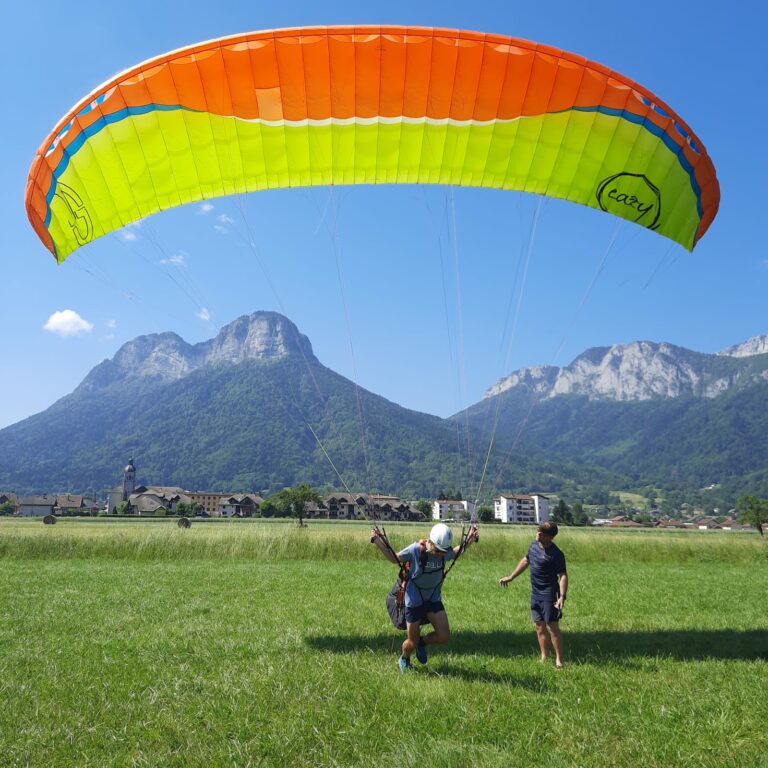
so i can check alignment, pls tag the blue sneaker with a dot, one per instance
(404, 664)
(421, 651)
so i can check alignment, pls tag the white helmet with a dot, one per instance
(441, 536)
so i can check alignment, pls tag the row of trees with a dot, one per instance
(563, 514)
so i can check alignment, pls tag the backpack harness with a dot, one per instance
(396, 596)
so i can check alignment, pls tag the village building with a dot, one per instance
(340, 506)
(623, 521)
(239, 505)
(363, 506)
(521, 508)
(69, 504)
(669, 522)
(53, 504)
(209, 504)
(122, 492)
(380, 507)
(452, 509)
(155, 500)
(159, 500)
(36, 506)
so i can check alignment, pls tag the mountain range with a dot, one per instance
(253, 409)
(657, 414)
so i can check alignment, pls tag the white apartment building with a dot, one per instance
(521, 508)
(452, 509)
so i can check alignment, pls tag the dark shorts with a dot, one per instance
(419, 612)
(543, 609)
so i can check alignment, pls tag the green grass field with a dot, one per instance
(256, 643)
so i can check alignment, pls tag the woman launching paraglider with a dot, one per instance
(424, 562)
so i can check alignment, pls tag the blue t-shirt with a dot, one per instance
(545, 565)
(423, 581)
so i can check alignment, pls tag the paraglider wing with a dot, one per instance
(367, 105)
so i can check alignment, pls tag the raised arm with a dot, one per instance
(519, 568)
(471, 539)
(378, 540)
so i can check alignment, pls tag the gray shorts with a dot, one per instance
(543, 609)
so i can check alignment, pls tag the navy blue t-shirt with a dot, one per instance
(545, 564)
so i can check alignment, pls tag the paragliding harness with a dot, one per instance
(396, 596)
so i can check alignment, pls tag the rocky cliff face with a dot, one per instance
(539, 380)
(757, 345)
(638, 371)
(260, 336)
(265, 336)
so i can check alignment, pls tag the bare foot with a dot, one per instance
(558, 664)
(544, 659)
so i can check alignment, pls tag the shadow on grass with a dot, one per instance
(581, 647)
(530, 684)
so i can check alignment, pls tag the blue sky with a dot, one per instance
(415, 292)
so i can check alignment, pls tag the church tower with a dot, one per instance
(129, 480)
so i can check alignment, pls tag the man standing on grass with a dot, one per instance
(549, 586)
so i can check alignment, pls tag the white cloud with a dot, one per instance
(220, 228)
(205, 208)
(203, 314)
(67, 322)
(129, 234)
(177, 260)
(225, 219)
(112, 324)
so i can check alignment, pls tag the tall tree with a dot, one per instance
(423, 506)
(485, 514)
(298, 498)
(753, 511)
(580, 517)
(561, 513)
